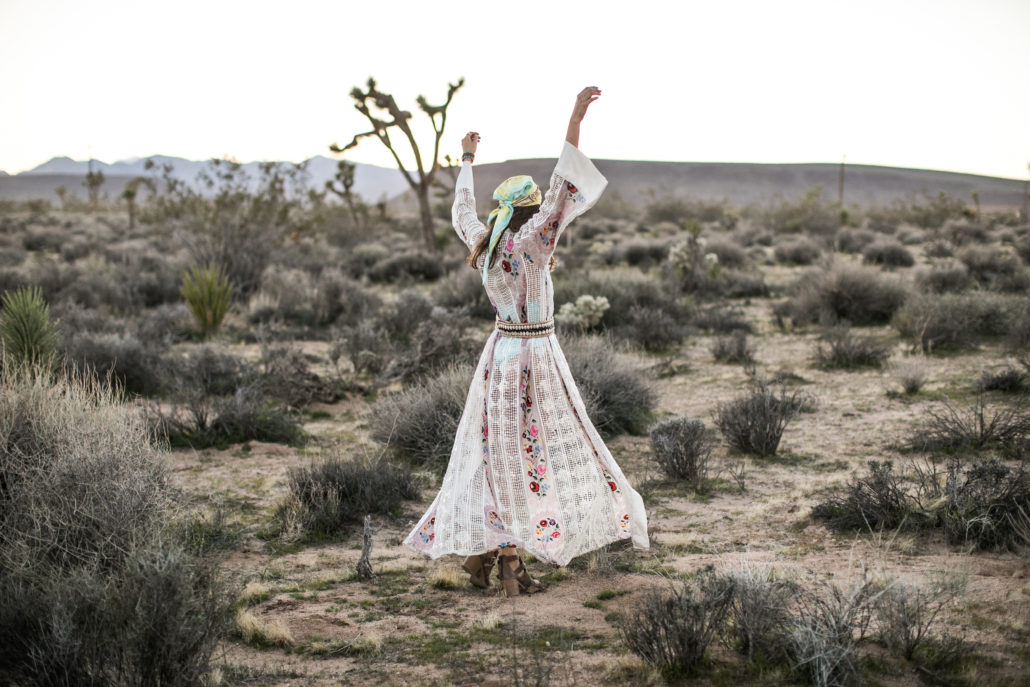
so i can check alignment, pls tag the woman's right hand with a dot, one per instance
(470, 142)
(583, 100)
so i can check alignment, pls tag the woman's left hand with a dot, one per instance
(470, 142)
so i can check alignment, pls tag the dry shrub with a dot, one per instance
(911, 374)
(136, 368)
(618, 399)
(860, 295)
(986, 505)
(798, 251)
(328, 496)
(841, 349)
(945, 277)
(202, 421)
(420, 423)
(730, 253)
(950, 321)
(733, 349)
(877, 500)
(287, 377)
(754, 423)
(887, 252)
(976, 428)
(939, 248)
(851, 240)
(95, 584)
(905, 612)
(994, 267)
(743, 284)
(625, 291)
(673, 630)
(414, 265)
(463, 290)
(1008, 379)
(683, 449)
(722, 319)
(760, 617)
(829, 624)
(652, 329)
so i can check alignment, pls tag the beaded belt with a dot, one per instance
(525, 330)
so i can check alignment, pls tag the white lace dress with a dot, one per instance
(528, 468)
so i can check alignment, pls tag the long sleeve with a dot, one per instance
(463, 212)
(576, 185)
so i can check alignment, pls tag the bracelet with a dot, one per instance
(468, 156)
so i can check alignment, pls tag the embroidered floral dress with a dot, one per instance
(528, 468)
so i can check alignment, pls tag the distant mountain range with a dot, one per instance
(634, 181)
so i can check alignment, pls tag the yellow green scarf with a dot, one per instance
(513, 192)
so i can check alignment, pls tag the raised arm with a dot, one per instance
(575, 186)
(579, 110)
(463, 212)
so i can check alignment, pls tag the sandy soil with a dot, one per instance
(407, 631)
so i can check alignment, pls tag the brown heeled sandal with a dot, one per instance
(515, 578)
(479, 568)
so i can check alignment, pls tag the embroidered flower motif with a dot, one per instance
(505, 265)
(494, 520)
(510, 245)
(425, 533)
(547, 530)
(624, 522)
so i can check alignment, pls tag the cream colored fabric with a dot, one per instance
(528, 467)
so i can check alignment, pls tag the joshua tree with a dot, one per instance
(365, 100)
(93, 182)
(345, 178)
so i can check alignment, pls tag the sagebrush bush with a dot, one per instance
(809, 215)
(994, 267)
(860, 295)
(829, 624)
(939, 248)
(618, 399)
(887, 252)
(730, 253)
(851, 240)
(798, 251)
(463, 290)
(203, 421)
(1008, 379)
(754, 423)
(400, 318)
(287, 376)
(651, 329)
(760, 619)
(683, 449)
(420, 423)
(95, 585)
(722, 319)
(743, 284)
(624, 290)
(733, 348)
(27, 336)
(877, 500)
(672, 630)
(944, 277)
(328, 496)
(211, 371)
(137, 369)
(208, 294)
(975, 428)
(841, 349)
(946, 321)
(414, 265)
(905, 611)
(985, 502)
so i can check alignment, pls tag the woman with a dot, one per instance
(528, 468)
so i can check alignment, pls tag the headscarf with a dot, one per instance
(513, 192)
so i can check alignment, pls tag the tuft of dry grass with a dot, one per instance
(447, 578)
(261, 633)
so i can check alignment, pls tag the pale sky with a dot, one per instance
(935, 84)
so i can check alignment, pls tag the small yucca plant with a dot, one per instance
(27, 335)
(208, 294)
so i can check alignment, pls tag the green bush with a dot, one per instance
(27, 335)
(208, 294)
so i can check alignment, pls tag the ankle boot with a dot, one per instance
(479, 567)
(515, 578)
